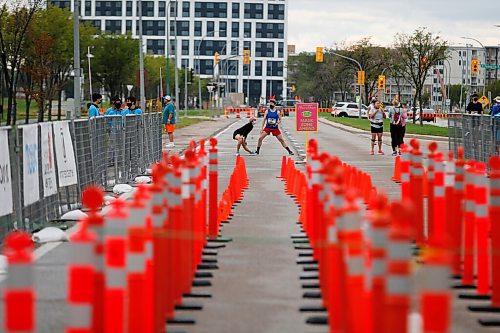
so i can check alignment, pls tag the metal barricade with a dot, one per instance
(108, 150)
(477, 134)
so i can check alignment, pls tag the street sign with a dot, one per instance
(490, 66)
(484, 101)
(306, 117)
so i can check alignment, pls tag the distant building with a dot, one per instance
(199, 29)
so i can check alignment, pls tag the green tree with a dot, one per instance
(494, 88)
(15, 19)
(455, 92)
(418, 53)
(115, 62)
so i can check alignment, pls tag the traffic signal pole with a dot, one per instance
(361, 70)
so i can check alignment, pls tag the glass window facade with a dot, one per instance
(258, 67)
(185, 47)
(155, 46)
(235, 29)
(254, 11)
(148, 8)
(197, 28)
(209, 47)
(247, 29)
(270, 30)
(182, 28)
(264, 49)
(236, 10)
(276, 12)
(113, 26)
(274, 68)
(185, 9)
(210, 9)
(108, 8)
(152, 28)
(222, 29)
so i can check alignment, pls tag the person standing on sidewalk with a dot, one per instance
(398, 121)
(376, 116)
(474, 106)
(241, 134)
(270, 125)
(132, 107)
(169, 120)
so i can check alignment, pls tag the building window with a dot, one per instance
(113, 26)
(247, 45)
(62, 4)
(197, 28)
(254, 11)
(185, 9)
(128, 26)
(246, 70)
(129, 7)
(173, 8)
(209, 47)
(185, 63)
(148, 8)
(236, 10)
(276, 12)
(270, 30)
(264, 49)
(161, 9)
(222, 29)
(95, 23)
(108, 8)
(235, 30)
(152, 28)
(88, 8)
(235, 46)
(258, 67)
(232, 67)
(155, 46)
(182, 28)
(210, 9)
(281, 47)
(204, 66)
(247, 29)
(210, 27)
(185, 47)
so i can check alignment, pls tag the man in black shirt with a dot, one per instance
(240, 135)
(474, 105)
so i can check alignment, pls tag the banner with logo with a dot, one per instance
(6, 207)
(31, 189)
(65, 155)
(48, 161)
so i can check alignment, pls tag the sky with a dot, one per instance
(329, 23)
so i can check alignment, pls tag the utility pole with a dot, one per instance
(185, 90)
(141, 60)
(167, 31)
(76, 63)
(175, 56)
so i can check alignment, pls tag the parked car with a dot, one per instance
(287, 104)
(348, 109)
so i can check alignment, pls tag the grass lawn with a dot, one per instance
(411, 128)
(184, 122)
(21, 110)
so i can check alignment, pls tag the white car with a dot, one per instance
(349, 109)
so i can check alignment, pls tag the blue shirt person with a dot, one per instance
(94, 109)
(132, 106)
(169, 120)
(495, 111)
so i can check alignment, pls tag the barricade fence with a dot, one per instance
(51, 163)
(479, 135)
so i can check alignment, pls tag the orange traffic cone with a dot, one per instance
(397, 170)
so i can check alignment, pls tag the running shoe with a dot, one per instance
(394, 153)
(237, 153)
(372, 152)
(380, 152)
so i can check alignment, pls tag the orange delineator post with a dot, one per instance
(380, 222)
(213, 223)
(399, 259)
(451, 217)
(19, 293)
(175, 217)
(495, 228)
(188, 221)
(116, 264)
(469, 227)
(81, 273)
(454, 199)
(405, 173)
(430, 188)
(439, 225)
(416, 185)
(435, 297)
(136, 261)
(482, 230)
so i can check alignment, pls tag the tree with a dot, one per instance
(455, 92)
(371, 59)
(418, 54)
(394, 65)
(115, 62)
(15, 20)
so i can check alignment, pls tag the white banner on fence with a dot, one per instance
(5, 176)
(31, 189)
(48, 162)
(65, 155)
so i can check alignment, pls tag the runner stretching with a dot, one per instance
(241, 134)
(270, 125)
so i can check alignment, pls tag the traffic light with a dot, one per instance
(475, 66)
(191, 75)
(294, 88)
(381, 82)
(361, 78)
(246, 57)
(216, 58)
(319, 54)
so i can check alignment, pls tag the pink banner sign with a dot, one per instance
(306, 117)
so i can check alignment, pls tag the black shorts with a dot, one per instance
(376, 130)
(235, 133)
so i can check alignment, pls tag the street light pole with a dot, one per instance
(76, 60)
(361, 69)
(485, 59)
(89, 56)
(176, 68)
(199, 64)
(167, 32)
(141, 60)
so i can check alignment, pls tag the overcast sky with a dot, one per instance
(314, 23)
